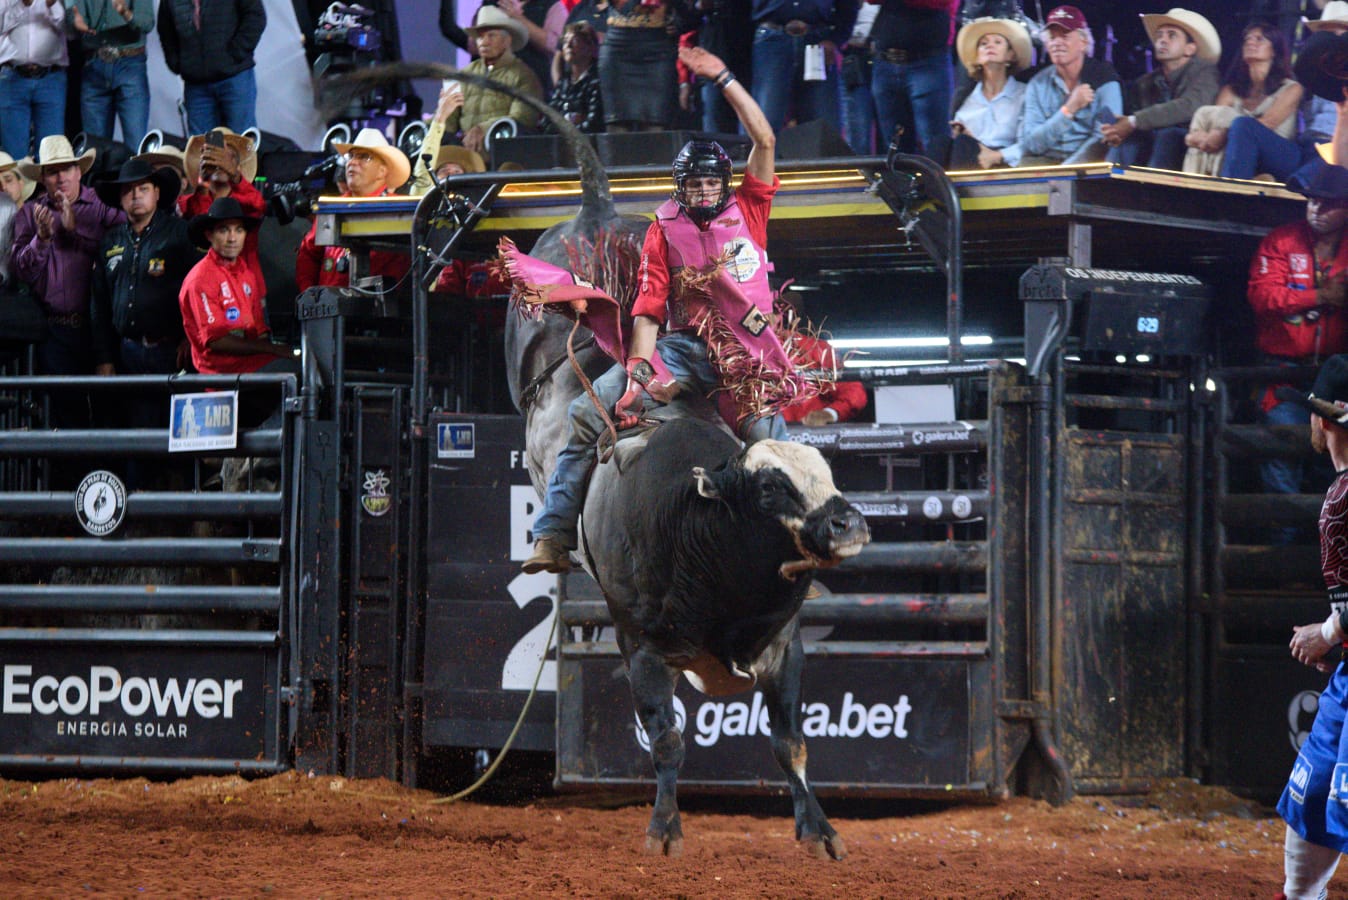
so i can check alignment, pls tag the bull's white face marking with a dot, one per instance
(805, 466)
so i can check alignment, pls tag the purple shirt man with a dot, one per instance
(49, 254)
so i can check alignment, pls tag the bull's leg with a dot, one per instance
(781, 691)
(653, 696)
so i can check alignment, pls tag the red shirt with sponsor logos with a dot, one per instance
(1334, 533)
(220, 298)
(250, 198)
(845, 398)
(315, 265)
(1289, 320)
(755, 203)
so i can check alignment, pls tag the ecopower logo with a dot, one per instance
(104, 703)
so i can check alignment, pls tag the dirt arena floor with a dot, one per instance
(295, 835)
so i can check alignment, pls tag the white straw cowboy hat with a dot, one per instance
(1192, 24)
(167, 156)
(29, 185)
(55, 150)
(373, 141)
(966, 42)
(241, 145)
(1335, 14)
(493, 17)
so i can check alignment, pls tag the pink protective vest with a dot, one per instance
(740, 291)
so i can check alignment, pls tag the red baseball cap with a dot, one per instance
(1068, 18)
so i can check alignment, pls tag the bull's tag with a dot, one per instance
(754, 321)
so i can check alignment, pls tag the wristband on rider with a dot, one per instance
(1331, 630)
(640, 370)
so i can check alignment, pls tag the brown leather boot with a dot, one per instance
(549, 556)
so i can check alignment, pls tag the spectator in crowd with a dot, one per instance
(210, 46)
(637, 74)
(13, 182)
(854, 73)
(1067, 101)
(577, 95)
(221, 299)
(33, 61)
(542, 21)
(170, 157)
(795, 54)
(374, 168)
(1297, 289)
(450, 160)
(986, 124)
(1163, 101)
(912, 73)
(724, 27)
(1259, 84)
(220, 164)
(113, 81)
(474, 110)
(55, 239)
(141, 264)
(1254, 149)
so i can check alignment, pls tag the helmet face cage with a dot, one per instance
(702, 159)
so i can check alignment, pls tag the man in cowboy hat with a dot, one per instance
(13, 183)
(141, 264)
(497, 37)
(374, 168)
(220, 164)
(1298, 288)
(1162, 102)
(55, 239)
(221, 298)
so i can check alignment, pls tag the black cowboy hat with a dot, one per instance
(1322, 66)
(222, 210)
(1330, 388)
(1320, 181)
(134, 171)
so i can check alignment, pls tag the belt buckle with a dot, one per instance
(109, 54)
(796, 28)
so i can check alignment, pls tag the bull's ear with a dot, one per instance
(706, 484)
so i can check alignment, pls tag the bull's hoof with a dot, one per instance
(821, 847)
(666, 845)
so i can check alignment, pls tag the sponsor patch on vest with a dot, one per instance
(115, 250)
(232, 314)
(225, 293)
(155, 266)
(754, 321)
(1299, 263)
(327, 263)
(744, 261)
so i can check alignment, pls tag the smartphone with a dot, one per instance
(215, 138)
(451, 86)
(1105, 117)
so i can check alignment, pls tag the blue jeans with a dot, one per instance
(120, 88)
(926, 85)
(1252, 148)
(1287, 476)
(686, 358)
(231, 102)
(1160, 149)
(30, 109)
(859, 119)
(717, 116)
(779, 85)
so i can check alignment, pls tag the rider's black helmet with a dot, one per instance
(702, 159)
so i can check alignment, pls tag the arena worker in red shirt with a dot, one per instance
(374, 168)
(221, 298)
(219, 164)
(703, 279)
(842, 402)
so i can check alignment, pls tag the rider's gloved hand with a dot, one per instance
(629, 407)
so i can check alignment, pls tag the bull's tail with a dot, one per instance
(340, 91)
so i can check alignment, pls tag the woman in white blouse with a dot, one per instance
(988, 111)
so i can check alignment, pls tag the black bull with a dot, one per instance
(704, 553)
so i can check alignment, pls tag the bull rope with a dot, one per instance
(510, 739)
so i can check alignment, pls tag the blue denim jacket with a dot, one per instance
(1045, 131)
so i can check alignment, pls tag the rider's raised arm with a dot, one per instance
(762, 155)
